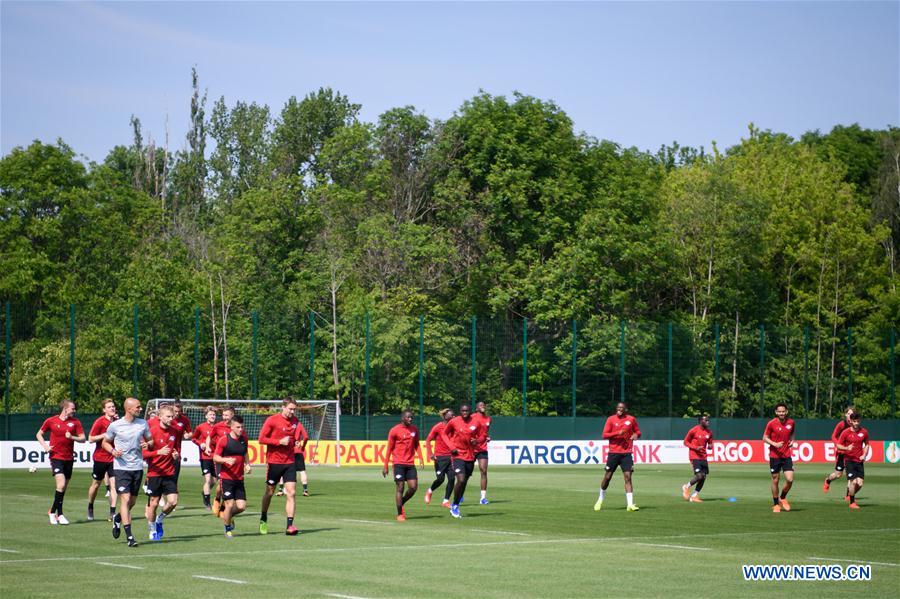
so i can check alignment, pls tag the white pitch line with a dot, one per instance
(673, 546)
(8, 551)
(500, 532)
(216, 578)
(363, 521)
(854, 561)
(120, 565)
(343, 596)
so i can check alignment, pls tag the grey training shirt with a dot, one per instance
(127, 437)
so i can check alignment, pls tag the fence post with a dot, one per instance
(669, 378)
(622, 361)
(524, 367)
(312, 353)
(134, 357)
(474, 365)
(367, 377)
(72, 352)
(893, 376)
(574, 366)
(8, 346)
(850, 366)
(254, 389)
(806, 371)
(421, 372)
(196, 353)
(762, 370)
(716, 371)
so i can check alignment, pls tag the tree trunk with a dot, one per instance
(334, 343)
(224, 334)
(215, 343)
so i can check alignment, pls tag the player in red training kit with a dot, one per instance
(403, 445)
(203, 438)
(697, 440)
(779, 436)
(441, 457)
(64, 430)
(231, 456)
(462, 435)
(300, 441)
(182, 425)
(481, 451)
(841, 426)
(854, 442)
(103, 461)
(621, 429)
(161, 460)
(278, 434)
(221, 429)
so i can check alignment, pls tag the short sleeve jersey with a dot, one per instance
(698, 439)
(403, 442)
(62, 448)
(485, 421)
(440, 448)
(780, 432)
(126, 437)
(856, 439)
(229, 447)
(161, 465)
(274, 429)
(618, 430)
(99, 428)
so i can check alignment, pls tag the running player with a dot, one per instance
(221, 429)
(441, 457)
(300, 441)
(481, 451)
(231, 456)
(103, 460)
(161, 461)
(125, 440)
(184, 432)
(462, 434)
(841, 426)
(854, 442)
(64, 430)
(278, 435)
(621, 429)
(779, 436)
(697, 440)
(202, 438)
(402, 447)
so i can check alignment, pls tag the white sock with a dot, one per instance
(483, 494)
(630, 498)
(602, 494)
(695, 493)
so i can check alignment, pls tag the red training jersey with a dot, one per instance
(99, 428)
(274, 429)
(229, 447)
(157, 464)
(60, 447)
(618, 430)
(856, 439)
(463, 435)
(486, 423)
(403, 443)
(182, 424)
(202, 434)
(697, 440)
(440, 448)
(836, 433)
(780, 432)
(300, 435)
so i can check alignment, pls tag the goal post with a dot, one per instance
(321, 419)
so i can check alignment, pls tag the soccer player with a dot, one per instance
(441, 456)
(231, 455)
(278, 435)
(161, 461)
(184, 432)
(621, 429)
(300, 441)
(64, 430)
(202, 438)
(854, 442)
(125, 439)
(462, 435)
(779, 436)
(403, 444)
(103, 460)
(697, 440)
(481, 451)
(841, 426)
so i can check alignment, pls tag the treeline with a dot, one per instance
(502, 211)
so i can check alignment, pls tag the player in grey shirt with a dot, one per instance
(126, 439)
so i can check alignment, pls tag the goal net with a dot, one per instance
(321, 419)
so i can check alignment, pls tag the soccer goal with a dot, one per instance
(321, 419)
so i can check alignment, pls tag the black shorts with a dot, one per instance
(839, 463)
(102, 469)
(281, 472)
(855, 469)
(162, 485)
(233, 489)
(405, 472)
(299, 462)
(779, 464)
(441, 465)
(128, 481)
(700, 466)
(625, 461)
(463, 467)
(481, 455)
(63, 467)
(208, 467)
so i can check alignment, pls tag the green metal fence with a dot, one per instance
(379, 364)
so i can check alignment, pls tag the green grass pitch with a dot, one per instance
(539, 537)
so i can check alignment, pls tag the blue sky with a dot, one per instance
(638, 73)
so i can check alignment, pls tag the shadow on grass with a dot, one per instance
(487, 515)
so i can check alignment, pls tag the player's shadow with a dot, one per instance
(422, 517)
(309, 531)
(493, 501)
(184, 538)
(484, 515)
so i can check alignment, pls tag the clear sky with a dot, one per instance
(638, 73)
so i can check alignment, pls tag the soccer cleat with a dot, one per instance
(598, 506)
(785, 505)
(53, 519)
(263, 527)
(445, 503)
(229, 534)
(853, 505)
(117, 527)
(428, 497)
(159, 529)
(632, 508)
(484, 501)
(153, 536)
(291, 531)
(401, 518)
(306, 493)
(776, 508)
(846, 498)
(695, 499)
(825, 487)
(686, 492)
(107, 492)
(90, 514)
(454, 511)
(62, 519)
(132, 542)
(280, 492)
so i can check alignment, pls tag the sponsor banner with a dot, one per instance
(26, 454)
